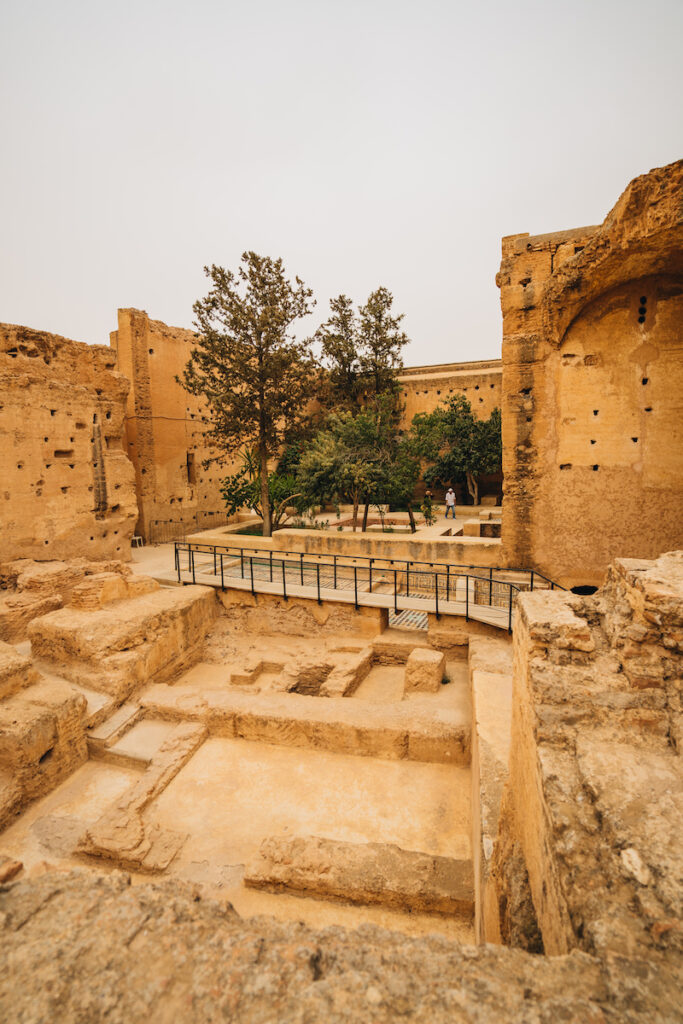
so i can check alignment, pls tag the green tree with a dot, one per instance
(256, 378)
(380, 343)
(243, 490)
(457, 444)
(361, 352)
(338, 338)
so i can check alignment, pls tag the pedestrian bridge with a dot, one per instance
(474, 592)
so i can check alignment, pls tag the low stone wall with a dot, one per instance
(486, 552)
(300, 616)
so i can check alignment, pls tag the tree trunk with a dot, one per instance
(265, 499)
(473, 487)
(365, 516)
(355, 512)
(411, 516)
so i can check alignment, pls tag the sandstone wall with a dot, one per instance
(164, 430)
(593, 386)
(66, 486)
(594, 800)
(425, 387)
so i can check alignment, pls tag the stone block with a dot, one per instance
(424, 671)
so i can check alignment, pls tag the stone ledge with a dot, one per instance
(364, 873)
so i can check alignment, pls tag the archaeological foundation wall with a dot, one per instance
(66, 486)
(593, 386)
(165, 430)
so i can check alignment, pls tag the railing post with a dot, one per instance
(407, 579)
(395, 595)
(490, 587)
(192, 554)
(370, 577)
(467, 598)
(355, 585)
(448, 582)
(532, 579)
(189, 557)
(177, 560)
(284, 581)
(510, 613)
(334, 557)
(317, 576)
(222, 579)
(214, 562)
(436, 593)
(271, 566)
(302, 569)
(242, 562)
(251, 572)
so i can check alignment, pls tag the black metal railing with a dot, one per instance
(472, 588)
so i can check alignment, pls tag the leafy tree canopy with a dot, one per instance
(361, 351)
(457, 444)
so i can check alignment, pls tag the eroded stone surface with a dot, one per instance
(174, 951)
(364, 873)
(424, 671)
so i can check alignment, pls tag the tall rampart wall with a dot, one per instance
(426, 387)
(592, 388)
(164, 430)
(66, 486)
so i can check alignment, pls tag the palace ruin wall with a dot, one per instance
(66, 486)
(593, 386)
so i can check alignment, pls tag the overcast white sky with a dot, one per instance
(367, 143)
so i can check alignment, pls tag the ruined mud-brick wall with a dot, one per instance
(593, 808)
(593, 386)
(423, 388)
(165, 430)
(66, 486)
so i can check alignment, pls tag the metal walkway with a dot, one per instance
(475, 592)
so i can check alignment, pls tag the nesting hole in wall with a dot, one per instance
(151, 351)
(12, 353)
(525, 391)
(592, 440)
(645, 380)
(635, 440)
(578, 249)
(63, 453)
(108, 414)
(64, 490)
(595, 469)
(53, 412)
(648, 408)
(566, 465)
(595, 412)
(20, 465)
(80, 426)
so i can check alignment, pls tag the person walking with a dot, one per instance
(450, 501)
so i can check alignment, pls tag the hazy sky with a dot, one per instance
(366, 143)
